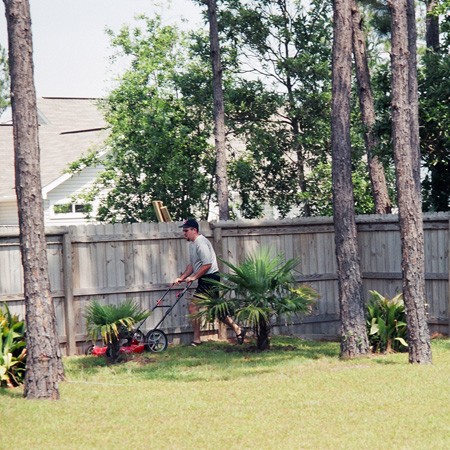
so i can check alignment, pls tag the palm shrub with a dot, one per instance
(386, 323)
(12, 348)
(112, 322)
(261, 288)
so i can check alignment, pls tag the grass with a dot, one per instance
(298, 395)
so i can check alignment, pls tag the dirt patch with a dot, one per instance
(439, 336)
(140, 359)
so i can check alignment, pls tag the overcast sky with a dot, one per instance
(71, 49)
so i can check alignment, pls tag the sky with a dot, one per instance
(70, 47)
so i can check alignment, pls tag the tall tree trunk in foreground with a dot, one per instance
(219, 113)
(44, 363)
(354, 340)
(376, 169)
(405, 133)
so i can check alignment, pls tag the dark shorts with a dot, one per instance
(204, 286)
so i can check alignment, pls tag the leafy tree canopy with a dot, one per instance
(158, 146)
(277, 87)
(280, 108)
(435, 129)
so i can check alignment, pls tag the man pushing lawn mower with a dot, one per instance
(203, 268)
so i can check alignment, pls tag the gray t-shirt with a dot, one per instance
(201, 252)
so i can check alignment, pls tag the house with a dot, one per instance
(68, 129)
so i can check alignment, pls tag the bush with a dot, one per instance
(262, 287)
(386, 323)
(112, 322)
(12, 348)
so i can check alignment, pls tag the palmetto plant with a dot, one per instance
(386, 323)
(254, 292)
(111, 322)
(12, 348)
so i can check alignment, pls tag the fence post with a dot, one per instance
(68, 295)
(218, 247)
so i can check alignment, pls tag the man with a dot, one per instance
(202, 267)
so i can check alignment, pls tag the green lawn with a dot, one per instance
(298, 395)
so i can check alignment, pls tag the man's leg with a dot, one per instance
(193, 309)
(240, 332)
(227, 320)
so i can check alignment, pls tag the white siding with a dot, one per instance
(60, 194)
(64, 194)
(8, 213)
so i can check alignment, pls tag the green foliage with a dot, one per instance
(4, 80)
(109, 321)
(259, 289)
(282, 115)
(386, 323)
(434, 117)
(379, 16)
(277, 120)
(320, 194)
(89, 159)
(260, 173)
(12, 349)
(434, 106)
(158, 145)
(442, 7)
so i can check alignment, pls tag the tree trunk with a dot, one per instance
(354, 340)
(113, 350)
(432, 28)
(405, 134)
(262, 335)
(376, 169)
(219, 114)
(44, 363)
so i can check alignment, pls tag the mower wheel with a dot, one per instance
(88, 351)
(156, 340)
(139, 337)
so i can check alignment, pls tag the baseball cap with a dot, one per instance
(190, 223)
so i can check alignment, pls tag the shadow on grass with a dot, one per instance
(16, 392)
(386, 360)
(213, 360)
(441, 344)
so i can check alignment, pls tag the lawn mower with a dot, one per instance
(134, 340)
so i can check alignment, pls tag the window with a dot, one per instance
(70, 208)
(85, 208)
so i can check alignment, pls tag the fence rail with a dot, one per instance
(116, 261)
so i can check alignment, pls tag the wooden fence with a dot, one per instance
(139, 261)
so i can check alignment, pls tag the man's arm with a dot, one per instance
(200, 272)
(183, 277)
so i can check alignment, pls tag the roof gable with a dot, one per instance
(68, 128)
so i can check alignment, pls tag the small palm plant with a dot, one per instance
(386, 323)
(259, 289)
(112, 322)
